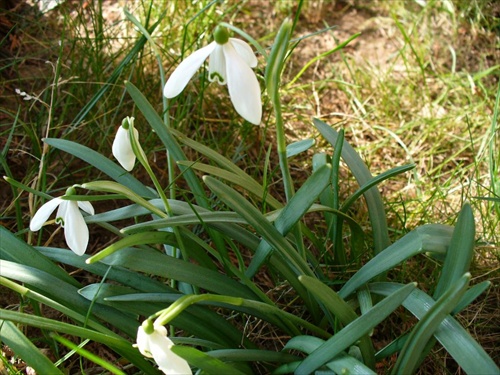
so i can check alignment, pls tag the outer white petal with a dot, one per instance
(168, 362)
(186, 69)
(245, 51)
(86, 206)
(143, 342)
(217, 66)
(122, 148)
(243, 86)
(43, 214)
(76, 231)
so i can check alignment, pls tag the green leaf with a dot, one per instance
(116, 343)
(18, 251)
(205, 362)
(341, 309)
(417, 241)
(354, 331)
(363, 176)
(24, 348)
(453, 337)
(408, 359)
(460, 251)
(296, 148)
(102, 163)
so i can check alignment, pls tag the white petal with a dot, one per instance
(217, 66)
(186, 69)
(86, 206)
(75, 229)
(122, 148)
(243, 86)
(43, 214)
(143, 342)
(168, 362)
(245, 51)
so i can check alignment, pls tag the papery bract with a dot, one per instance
(69, 216)
(231, 63)
(157, 345)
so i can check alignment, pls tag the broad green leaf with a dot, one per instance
(413, 243)
(354, 331)
(453, 337)
(205, 362)
(64, 293)
(292, 213)
(18, 251)
(102, 163)
(23, 347)
(341, 309)
(460, 252)
(298, 147)
(341, 364)
(362, 174)
(408, 358)
(159, 264)
(118, 344)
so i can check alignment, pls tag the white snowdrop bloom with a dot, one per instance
(69, 216)
(122, 147)
(231, 62)
(157, 345)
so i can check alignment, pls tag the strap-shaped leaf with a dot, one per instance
(453, 337)
(102, 163)
(429, 237)
(416, 343)
(24, 348)
(354, 331)
(362, 174)
(205, 362)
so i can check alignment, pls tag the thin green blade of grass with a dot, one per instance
(420, 335)
(354, 331)
(25, 349)
(469, 355)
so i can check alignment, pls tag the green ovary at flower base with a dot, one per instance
(69, 216)
(152, 342)
(122, 147)
(231, 62)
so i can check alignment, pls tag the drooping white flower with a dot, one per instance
(231, 61)
(122, 147)
(69, 216)
(157, 345)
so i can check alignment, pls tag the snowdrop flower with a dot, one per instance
(152, 342)
(231, 61)
(70, 217)
(122, 147)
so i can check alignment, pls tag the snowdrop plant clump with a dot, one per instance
(179, 266)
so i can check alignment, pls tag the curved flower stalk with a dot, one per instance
(152, 342)
(122, 147)
(69, 216)
(230, 62)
